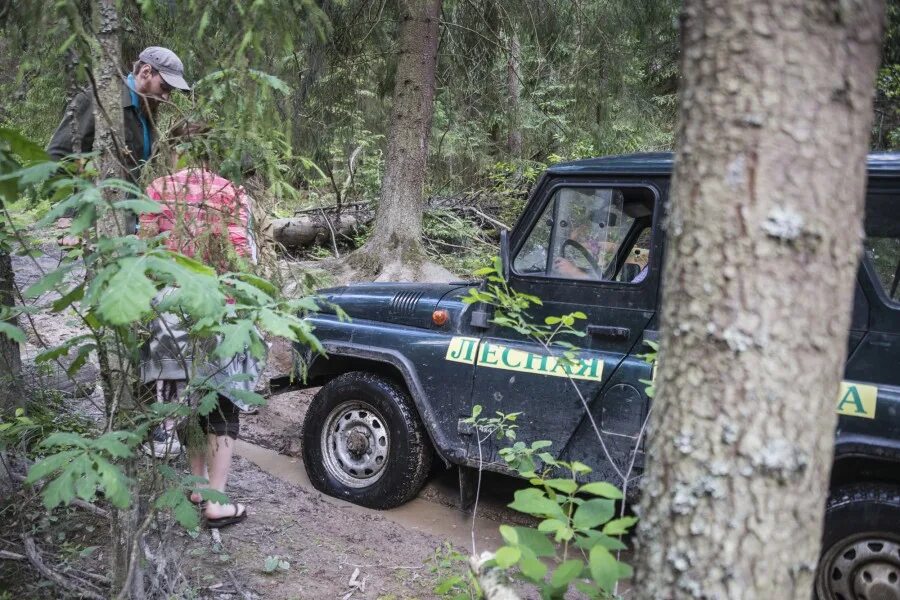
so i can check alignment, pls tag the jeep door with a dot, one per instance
(584, 245)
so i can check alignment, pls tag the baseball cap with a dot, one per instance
(170, 67)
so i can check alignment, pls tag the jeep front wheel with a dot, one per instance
(363, 441)
(861, 545)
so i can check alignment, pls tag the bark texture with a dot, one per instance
(398, 222)
(107, 106)
(126, 571)
(763, 244)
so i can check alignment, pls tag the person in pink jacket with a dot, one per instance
(207, 217)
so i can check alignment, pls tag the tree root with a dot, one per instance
(4, 555)
(82, 588)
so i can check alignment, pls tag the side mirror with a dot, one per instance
(504, 253)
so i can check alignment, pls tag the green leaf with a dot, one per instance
(128, 294)
(64, 438)
(208, 403)
(261, 284)
(248, 397)
(531, 566)
(588, 539)
(507, 556)
(114, 482)
(278, 324)
(51, 464)
(169, 498)
(448, 584)
(61, 350)
(198, 292)
(186, 513)
(580, 468)
(12, 332)
(533, 502)
(22, 146)
(550, 525)
(112, 446)
(35, 173)
(594, 512)
(138, 206)
(535, 541)
(602, 488)
(47, 282)
(566, 572)
(193, 265)
(567, 486)
(211, 495)
(86, 485)
(80, 358)
(59, 491)
(476, 410)
(619, 526)
(74, 295)
(604, 568)
(235, 338)
(509, 534)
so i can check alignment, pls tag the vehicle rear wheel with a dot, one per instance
(363, 441)
(861, 546)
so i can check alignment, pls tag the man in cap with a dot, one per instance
(157, 72)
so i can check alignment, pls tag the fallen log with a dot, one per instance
(310, 229)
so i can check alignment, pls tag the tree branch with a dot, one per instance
(34, 557)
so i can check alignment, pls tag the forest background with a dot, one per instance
(302, 90)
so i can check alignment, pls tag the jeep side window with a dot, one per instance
(884, 252)
(882, 243)
(581, 234)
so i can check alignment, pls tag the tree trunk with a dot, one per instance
(307, 230)
(397, 230)
(764, 241)
(513, 90)
(11, 393)
(127, 581)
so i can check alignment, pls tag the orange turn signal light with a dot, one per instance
(440, 317)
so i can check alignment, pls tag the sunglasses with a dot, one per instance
(166, 88)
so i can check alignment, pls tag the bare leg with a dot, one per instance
(219, 452)
(197, 458)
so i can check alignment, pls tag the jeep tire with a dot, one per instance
(363, 441)
(861, 545)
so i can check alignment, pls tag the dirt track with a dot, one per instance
(401, 553)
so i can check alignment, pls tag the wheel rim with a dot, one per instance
(355, 444)
(861, 567)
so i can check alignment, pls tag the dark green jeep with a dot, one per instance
(404, 373)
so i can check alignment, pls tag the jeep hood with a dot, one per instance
(408, 304)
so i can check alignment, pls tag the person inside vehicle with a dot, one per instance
(593, 227)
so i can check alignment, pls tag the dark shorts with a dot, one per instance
(224, 419)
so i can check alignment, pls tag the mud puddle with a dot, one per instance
(419, 514)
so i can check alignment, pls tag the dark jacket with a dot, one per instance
(81, 110)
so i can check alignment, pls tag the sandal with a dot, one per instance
(240, 513)
(201, 502)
